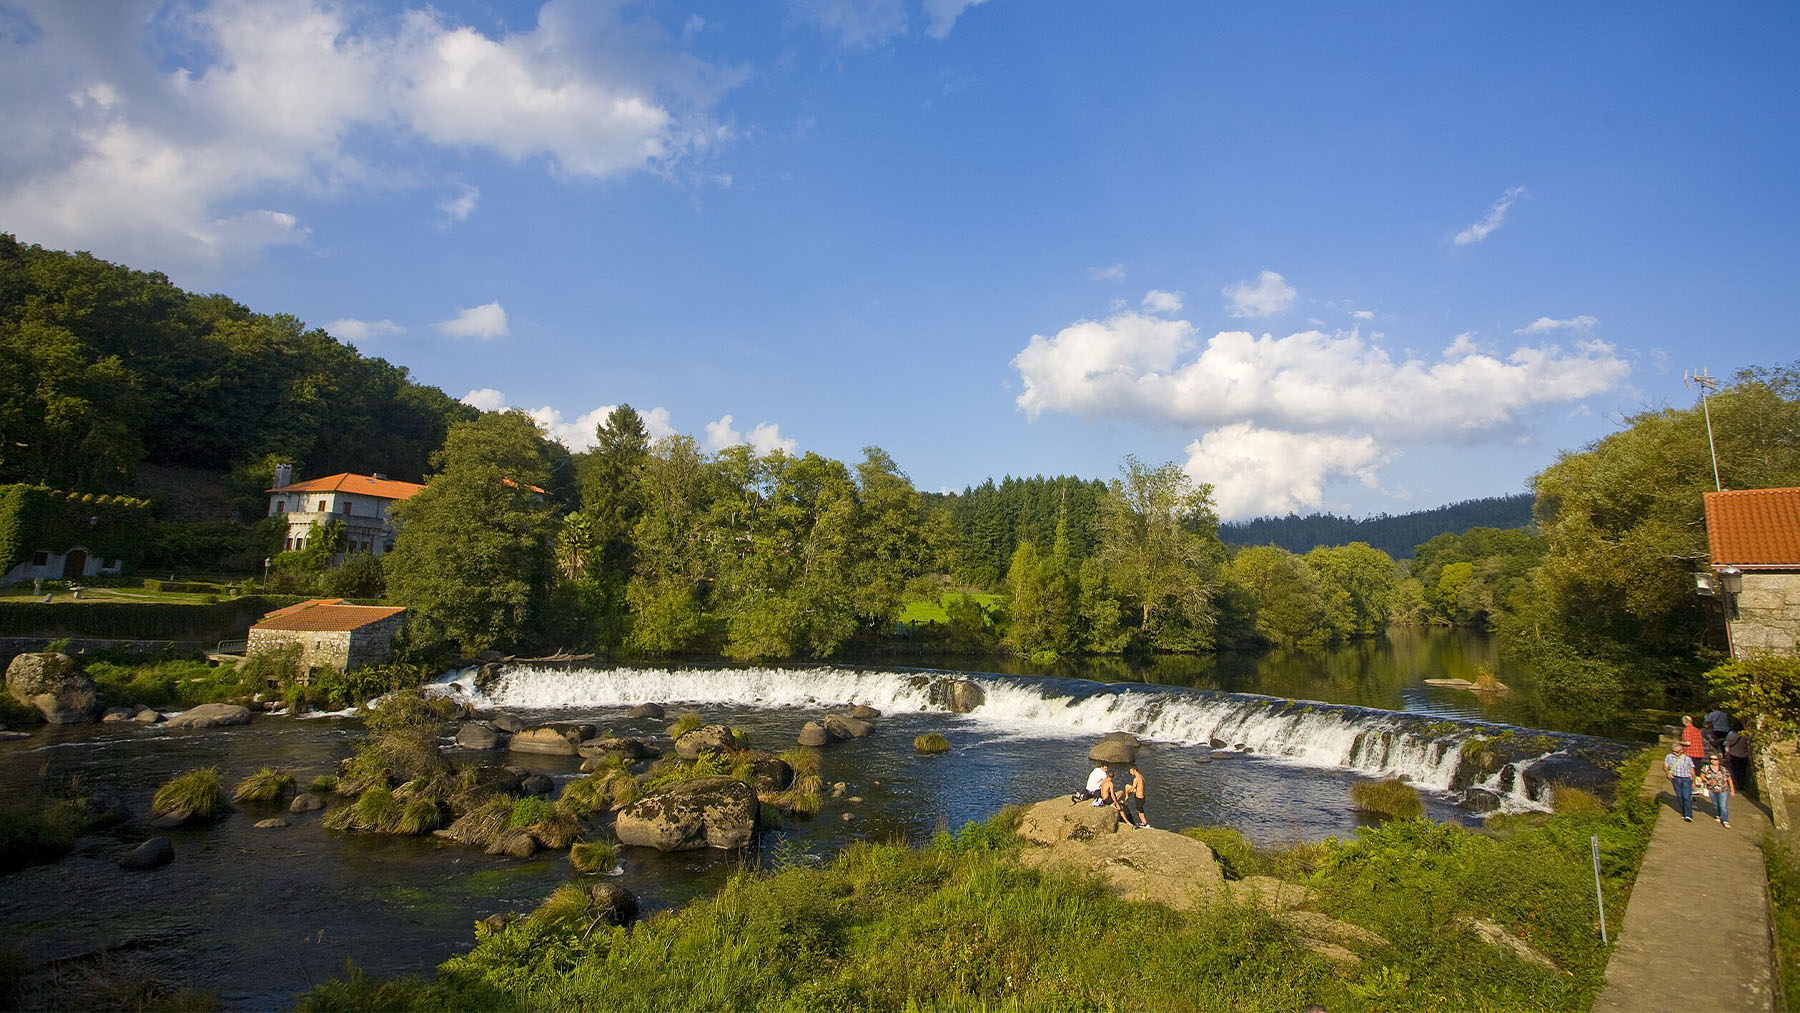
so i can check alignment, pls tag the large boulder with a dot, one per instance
(540, 785)
(508, 723)
(545, 741)
(843, 726)
(479, 735)
(772, 773)
(1567, 770)
(1139, 865)
(1060, 820)
(152, 854)
(704, 739)
(863, 712)
(813, 734)
(1112, 750)
(707, 812)
(55, 685)
(959, 695)
(608, 745)
(211, 715)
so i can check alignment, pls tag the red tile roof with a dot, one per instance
(367, 485)
(1754, 528)
(326, 615)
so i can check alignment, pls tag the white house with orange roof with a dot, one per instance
(329, 631)
(1753, 536)
(359, 502)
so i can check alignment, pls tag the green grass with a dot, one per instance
(931, 742)
(1783, 864)
(1392, 797)
(196, 791)
(920, 611)
(686, 722)
(266, 785)
(590, 857)
(177, 681)
(961, 925)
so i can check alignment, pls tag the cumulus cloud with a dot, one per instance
(1363, 314)
(172, 134)
(1111, 272)
(1268, 295)
(480, 322)
(1544, 325)
(1491, 221)
(942, 15)
(765, 437)
(351, 329)
(1258, 471)
(486, 399)
(1158, 301)
(457, 207)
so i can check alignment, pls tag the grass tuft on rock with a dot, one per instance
(266, 785)
(375, 811)
(196, 791)
(481, 825)
(1574, 801)
(567, 905)
(592, 857)
(931, 743)
(324, 784)
(685, 722)
(1391, 797)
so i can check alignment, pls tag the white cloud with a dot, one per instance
(857, 24)
(1492, 221)
(1544, 325)
(351, 329)
(1269, 295)
(170, 135)
(457, 207)
(480, 322)
(656, 422)
(1264, 471)
(765, 437)
(1363, 314)
(1158, 301)
(1154, 369)
(943, 15)
(1111, 272)
(486, 399)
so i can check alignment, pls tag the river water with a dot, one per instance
(261, 914)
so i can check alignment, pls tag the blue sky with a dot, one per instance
(1325, 258)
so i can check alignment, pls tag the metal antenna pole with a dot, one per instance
(1707, 385)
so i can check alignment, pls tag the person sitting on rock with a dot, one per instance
(1098, 779)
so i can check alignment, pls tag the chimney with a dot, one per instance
(284, 475)
(379, 477)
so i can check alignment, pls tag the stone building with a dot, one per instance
(1754, 538)
(359, 502)
(330, 632)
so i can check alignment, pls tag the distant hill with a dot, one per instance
(1394, 534)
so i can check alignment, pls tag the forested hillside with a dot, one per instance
(104, 369)
(1397, 535)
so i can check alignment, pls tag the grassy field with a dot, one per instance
(926, 610)
(22, 593)
(962, 925)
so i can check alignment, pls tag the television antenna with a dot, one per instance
(1708, 385)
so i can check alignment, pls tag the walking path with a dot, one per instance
(1696, 934)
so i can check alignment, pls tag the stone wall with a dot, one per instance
(374, 643)
(1768, 615)
(318, 648)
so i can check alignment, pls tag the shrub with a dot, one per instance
(589, 857)
(584, 796)
(530, 810)
(1569, 801)
(196, 791)
(177, 681)
(686, 722)
(931, 742)
(272, 666)
(1390, 797)
(266, 785)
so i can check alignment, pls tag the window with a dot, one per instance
(279, 508)
(346, 508)
(322, 507)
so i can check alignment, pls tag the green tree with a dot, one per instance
(1290, 604)
(612, 486)
(1359, 584)
(474, 556)
(1159, 542)
(1041, 605)
(671, 541)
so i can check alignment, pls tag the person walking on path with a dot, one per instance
(1718, 725)
(1680, 771)
(1737, 757)
(1717, 782)
(1693, 742)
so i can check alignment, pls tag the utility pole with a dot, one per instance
(1707, 385)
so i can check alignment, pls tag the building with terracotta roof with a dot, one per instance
(331, 632)
(1753, 536)
(359, 502)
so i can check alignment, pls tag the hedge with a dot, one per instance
(226, 620)
(34, 518)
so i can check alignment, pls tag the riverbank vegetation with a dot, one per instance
(962, 924)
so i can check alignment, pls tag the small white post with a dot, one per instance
(1599, 897)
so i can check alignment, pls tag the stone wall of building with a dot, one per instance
(318, 648)
(374, 643)
(1768, 615)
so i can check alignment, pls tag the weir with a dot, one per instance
(1434, 753)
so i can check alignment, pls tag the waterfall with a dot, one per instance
(1424, 749)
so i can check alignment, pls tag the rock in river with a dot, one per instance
(646, 710)
(479, 735)
(707, 812)
(152, 854)
(55, 685)
(843, 726)
(705, 739)
(813, 734)
(546, 741)
(211, 715)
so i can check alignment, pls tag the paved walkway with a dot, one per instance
(1696, 933)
